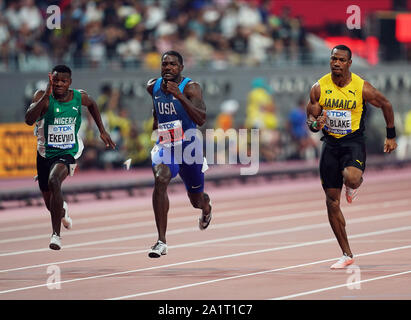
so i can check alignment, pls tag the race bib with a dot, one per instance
(338, 122)
(170, 133)
(61, 136)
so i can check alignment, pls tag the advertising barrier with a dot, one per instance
(17, 150)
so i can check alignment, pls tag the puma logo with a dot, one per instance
(361, 163)
(353, 92)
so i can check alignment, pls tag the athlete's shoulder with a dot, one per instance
(192, 85)
(315, 91)
(86, 99)
(355, 77)
(192, 82)
(81, 91)
(38, 94)
(151, 82)
(150, 85)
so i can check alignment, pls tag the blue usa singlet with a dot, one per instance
(172, 118)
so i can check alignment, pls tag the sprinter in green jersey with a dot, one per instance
(57, 114)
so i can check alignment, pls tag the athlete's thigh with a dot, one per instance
(43, 172)
(60, 166)
(59, 171)
(330, 170)
(161, 155)
(354, 155)
(193, 177)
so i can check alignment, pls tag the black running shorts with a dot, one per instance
(44, 166)
(336, 157)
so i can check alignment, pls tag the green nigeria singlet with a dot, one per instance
(57, 130)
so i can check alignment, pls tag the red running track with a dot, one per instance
(266, 241)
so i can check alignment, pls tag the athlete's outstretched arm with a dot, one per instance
(377, 99)
(191, 99)
(315, 116)
(91, 105)
(39, 104)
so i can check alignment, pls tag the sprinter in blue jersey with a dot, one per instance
(178, 107)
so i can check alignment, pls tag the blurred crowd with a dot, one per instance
(281, 137)
(131, 33)
(133, 139)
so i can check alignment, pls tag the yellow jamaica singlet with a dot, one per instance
(344, 105)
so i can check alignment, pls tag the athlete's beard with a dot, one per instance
(339, 75)
(175, 79)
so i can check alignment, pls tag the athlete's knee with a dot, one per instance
(197, 200)
(353, 181)
(198, 204)
(162, 177)
(352, 177)
(333, 204)
(54, 183)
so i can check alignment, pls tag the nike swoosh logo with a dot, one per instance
(196, 187)
(75, 108)
(359, 162)
(155, 97)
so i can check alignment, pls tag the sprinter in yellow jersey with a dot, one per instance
(338, 106)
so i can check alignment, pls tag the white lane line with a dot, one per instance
(226, 213)
(151, 222)
(340, 286)
(304, 244)
(180, 231)
(250, 275)
(190, 244)
(134, 212)
(231, 225)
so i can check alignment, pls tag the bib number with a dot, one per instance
(170, 133)
(338, 122)
(61, 136)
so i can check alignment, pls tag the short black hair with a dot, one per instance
(344, 48)
(173, 53)
(62, 68)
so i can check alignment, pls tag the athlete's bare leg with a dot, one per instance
(54, 198)
(200, 200)
(46, 198)
(162, 177)
(336, 219)
(352, 177)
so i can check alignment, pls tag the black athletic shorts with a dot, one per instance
(335, 157)
(44, 166)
